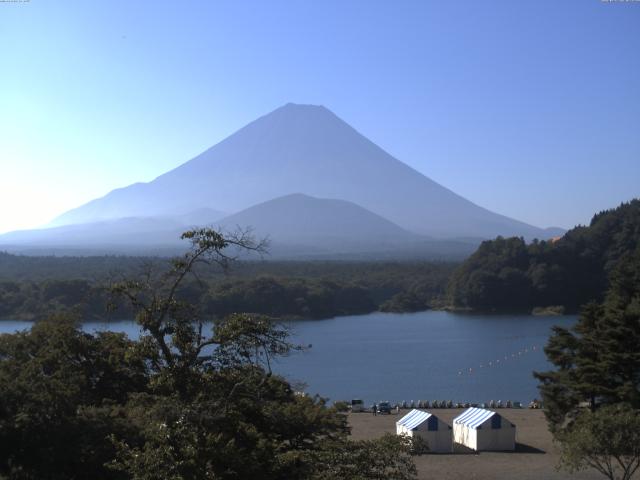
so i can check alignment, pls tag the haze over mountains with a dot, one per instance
(298, 225)
(265, 176)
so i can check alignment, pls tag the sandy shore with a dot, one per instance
(535, 457)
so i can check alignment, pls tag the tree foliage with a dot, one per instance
(607, 440)
(31, 287)
(188, 400)
(61, 395)
(592, 398)
(598, 360)
(388, 458)
(508, 274)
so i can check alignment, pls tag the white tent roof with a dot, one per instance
(474, 417)
(413, 419)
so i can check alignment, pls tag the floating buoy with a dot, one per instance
(497, 361)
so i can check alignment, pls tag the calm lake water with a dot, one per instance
(417, 356)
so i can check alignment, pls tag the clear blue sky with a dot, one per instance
(528, 108)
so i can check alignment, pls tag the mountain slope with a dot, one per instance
(298, 227)
(127, 234)
(325, 224)
(307, 149)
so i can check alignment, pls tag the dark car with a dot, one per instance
(384, 407)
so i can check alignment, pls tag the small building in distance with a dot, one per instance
(481, 429)
(434, 431)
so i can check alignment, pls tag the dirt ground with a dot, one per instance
(535, 457)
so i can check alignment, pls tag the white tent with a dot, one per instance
(481, 429)
(434, 431)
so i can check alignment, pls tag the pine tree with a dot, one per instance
(598, 365)
(598, 360)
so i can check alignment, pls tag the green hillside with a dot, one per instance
(507, 274)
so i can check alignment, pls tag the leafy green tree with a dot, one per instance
(264, 432)
(59, 388)
(607, 440)
(174, 331)
(215, 409)
(388, 458)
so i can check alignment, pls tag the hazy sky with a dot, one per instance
(528, 108)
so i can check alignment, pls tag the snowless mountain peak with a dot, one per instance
(304, 149)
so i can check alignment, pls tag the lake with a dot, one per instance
(413, 356)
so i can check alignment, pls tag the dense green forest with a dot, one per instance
(34, 287)
(508, 274)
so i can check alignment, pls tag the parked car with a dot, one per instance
(384, 407)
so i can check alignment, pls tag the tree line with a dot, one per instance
(277, 289)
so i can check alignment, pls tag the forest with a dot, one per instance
(507, 274)
(32, 288)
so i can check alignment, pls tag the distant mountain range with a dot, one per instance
(300, 175)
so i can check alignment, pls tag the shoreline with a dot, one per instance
(536, 312)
